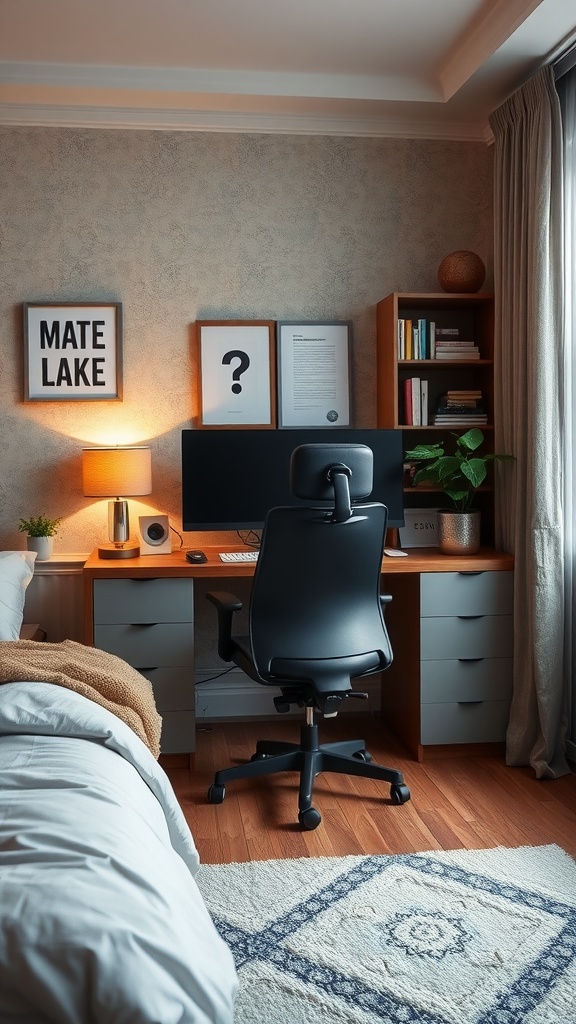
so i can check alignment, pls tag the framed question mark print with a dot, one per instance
(236, 373)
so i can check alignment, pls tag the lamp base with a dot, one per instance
(128, 550)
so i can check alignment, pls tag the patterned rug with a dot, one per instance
(465, 937)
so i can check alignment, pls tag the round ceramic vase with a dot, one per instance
(458, 532)
(461, 271)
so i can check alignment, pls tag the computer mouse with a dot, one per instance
(196, 556)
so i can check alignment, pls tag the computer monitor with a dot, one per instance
(230, 478)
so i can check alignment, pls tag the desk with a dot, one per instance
(430, 698)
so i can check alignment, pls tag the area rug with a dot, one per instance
(465, 937)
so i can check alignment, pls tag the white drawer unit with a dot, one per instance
(149, 622)
(466, 650)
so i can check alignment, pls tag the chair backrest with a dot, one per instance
(316, 590)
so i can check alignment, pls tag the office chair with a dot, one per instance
(316, 618)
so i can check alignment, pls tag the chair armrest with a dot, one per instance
(226, 604)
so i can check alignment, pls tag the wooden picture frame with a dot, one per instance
(73, 351)
(314, 371)
(236, 361)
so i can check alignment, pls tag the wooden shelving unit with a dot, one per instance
(474, 315)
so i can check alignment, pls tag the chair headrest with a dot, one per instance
(310, 466)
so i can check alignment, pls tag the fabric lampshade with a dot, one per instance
(111, 472)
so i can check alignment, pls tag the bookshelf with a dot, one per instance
(472, 316)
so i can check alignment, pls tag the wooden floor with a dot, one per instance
(473, 802)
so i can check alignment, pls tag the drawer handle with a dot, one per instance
(147, 668)
(470, 659)
(469, 616)
(143, 625)
(470, 701)
(470, 572)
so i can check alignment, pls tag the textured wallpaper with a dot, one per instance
(185, 226)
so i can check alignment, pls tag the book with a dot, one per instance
(409, 339)
(431, 339)
(408, 402)
(423, 347)
(456, 354)
(442, 343)
(424, 402)
(416, 403)
(401, 339)
(447, 332)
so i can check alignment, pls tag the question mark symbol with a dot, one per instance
(238, 370)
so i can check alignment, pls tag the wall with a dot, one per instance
(181, 226)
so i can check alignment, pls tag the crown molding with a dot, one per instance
(85, 116)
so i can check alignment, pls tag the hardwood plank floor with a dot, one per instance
(466, 802)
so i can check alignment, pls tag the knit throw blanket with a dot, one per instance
(102, 677)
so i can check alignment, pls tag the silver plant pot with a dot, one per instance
(458, 532)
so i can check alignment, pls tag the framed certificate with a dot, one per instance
(314, 374)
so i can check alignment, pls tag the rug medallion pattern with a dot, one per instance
(402, 939)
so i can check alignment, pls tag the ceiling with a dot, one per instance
(403, 68)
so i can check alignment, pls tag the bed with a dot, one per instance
(101, 921)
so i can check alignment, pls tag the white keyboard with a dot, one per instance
(238, 556)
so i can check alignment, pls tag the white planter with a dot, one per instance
(44, 546)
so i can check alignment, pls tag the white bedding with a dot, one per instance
(101, 921)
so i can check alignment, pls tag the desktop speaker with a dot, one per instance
(154, 534)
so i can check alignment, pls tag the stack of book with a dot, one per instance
(461, 408)
(449, 345)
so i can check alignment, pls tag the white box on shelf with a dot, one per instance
(420, 528)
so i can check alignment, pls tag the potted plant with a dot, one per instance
(40, 532)
(458, 474)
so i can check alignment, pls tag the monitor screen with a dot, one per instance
(230, 478)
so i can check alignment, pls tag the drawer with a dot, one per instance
(484, 722)
(173, 688)
(477, 679)
(457, 593)
(143, 600)
(484, 636)
(178, 732)
(160, 644)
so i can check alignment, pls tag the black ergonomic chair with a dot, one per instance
(316, 617)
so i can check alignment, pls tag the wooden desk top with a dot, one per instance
(175, 565)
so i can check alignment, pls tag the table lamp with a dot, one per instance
(108, 472)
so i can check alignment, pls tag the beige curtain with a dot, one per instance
(528, 412)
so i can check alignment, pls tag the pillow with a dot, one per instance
(16, 571)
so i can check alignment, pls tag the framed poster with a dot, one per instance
(72, 350)
(236, 373)
(314, 374)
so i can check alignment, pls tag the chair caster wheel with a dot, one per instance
(216, 794)
(399, 794)
(310, 818)
(363, 755)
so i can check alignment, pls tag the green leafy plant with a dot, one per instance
(39, 526)
(459, 474)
